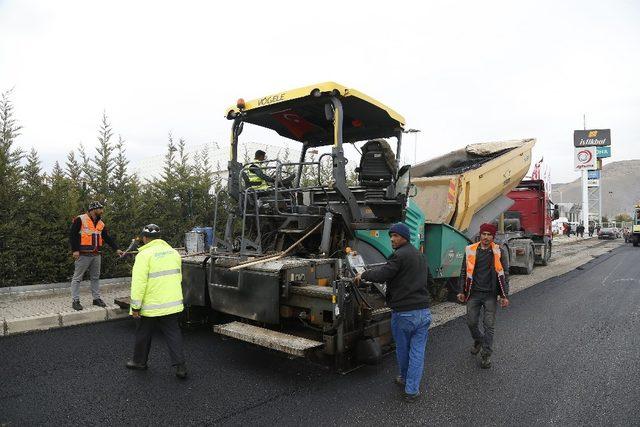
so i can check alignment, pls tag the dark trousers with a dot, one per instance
(476, 302)
(169, 327)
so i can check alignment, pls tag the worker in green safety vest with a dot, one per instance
(258, 179)
(156, 299)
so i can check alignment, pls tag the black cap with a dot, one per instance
(95, 205)
(259, 153)
(151, 230)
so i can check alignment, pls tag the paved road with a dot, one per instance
(567, 352)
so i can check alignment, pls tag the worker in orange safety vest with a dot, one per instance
(86, 237)
(485, 275)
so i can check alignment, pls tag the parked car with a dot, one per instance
(607, 233)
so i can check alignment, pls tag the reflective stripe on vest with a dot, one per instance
(137, 303)
(471, 252)
(255, 181)
(165, 305)
(164, 273)
(90, 234)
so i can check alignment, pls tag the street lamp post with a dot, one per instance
(415, 142)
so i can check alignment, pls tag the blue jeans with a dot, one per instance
(410, 331)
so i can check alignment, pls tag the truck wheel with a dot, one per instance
(529, 268)
(547, 254)
(635, 243)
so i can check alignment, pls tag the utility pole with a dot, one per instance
(415, 133)
(585, 188)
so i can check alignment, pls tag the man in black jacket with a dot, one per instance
(405, 274)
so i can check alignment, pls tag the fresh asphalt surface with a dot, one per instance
(566, 352)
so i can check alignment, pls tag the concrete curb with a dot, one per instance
(85, 316)
(32, 323)
(60, 320)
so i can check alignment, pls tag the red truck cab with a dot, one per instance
(532, 214)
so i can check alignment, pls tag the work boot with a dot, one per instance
(475, 349)
(137, 366)
(485, 362)
(399, 381)
(76, 305)
(99, 302)
(181, 371)
(410, 398)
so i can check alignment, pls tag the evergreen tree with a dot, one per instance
(160, 201)
(87, 179)
(124, 208)
(10, 177)
(74, 170)
(62, 198)
(185, 187)
(38, 252)
(77, 197)
(103, 162)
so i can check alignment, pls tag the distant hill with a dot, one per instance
(620, 188)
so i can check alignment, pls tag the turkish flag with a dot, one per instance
(294, 123)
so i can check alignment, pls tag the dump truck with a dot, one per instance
(452, 195)
(635, 226)
(457, 193)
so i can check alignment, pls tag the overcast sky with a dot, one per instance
(462, 72)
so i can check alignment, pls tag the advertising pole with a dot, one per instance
(590, 147)
(585, 199)
(600, 199)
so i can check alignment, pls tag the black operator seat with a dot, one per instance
(377, 164)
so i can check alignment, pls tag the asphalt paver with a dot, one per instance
(566, 352)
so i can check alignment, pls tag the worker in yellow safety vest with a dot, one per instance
(156, 299)
(258, 179)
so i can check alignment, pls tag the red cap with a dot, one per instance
(488, 228)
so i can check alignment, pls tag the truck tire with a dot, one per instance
(547, 254)
(635, 243)
(530, 262)
(529, 268)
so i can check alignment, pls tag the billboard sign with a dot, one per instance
(584, 158)
(593, 183)
(592, 138)
(593, 174)
(602, 152)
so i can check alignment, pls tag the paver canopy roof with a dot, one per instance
(299, 114)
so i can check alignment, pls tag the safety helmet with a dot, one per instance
(151, 230)
(95, 205)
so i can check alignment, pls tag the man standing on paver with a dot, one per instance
(86, 236)
(156, 299)
(405, 274)
(485, 274)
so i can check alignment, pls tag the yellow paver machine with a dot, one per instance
(281, 270)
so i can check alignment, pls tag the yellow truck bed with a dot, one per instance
(451, 189)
